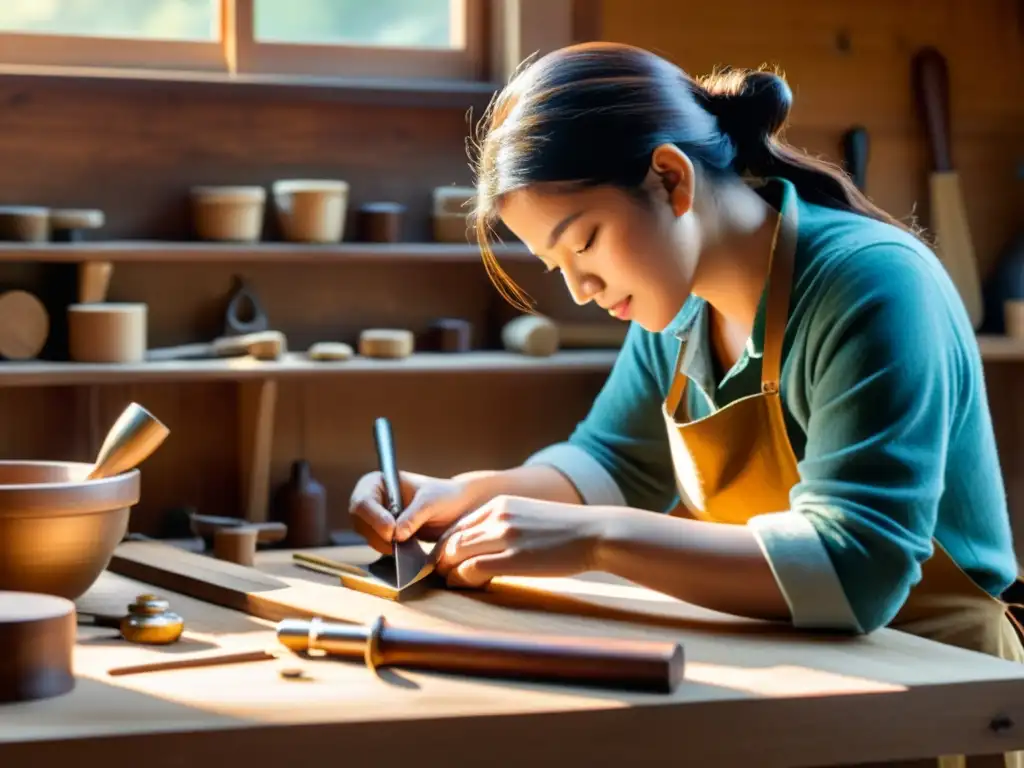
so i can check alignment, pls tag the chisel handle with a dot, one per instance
(651, 666)
(645, 666)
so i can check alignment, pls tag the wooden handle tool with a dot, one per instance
(855, 155)
(263, 345)
(639, 665)
(948, 212)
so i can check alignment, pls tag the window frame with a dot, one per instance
(253, 57)
(236, 52)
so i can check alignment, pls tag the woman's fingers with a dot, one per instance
(365, 506)
(476, 571)
(373, 538)
(471, 534)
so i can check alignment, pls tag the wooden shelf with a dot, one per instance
(1001, 348)
(406, 92)
(35, 374)
(167, 251)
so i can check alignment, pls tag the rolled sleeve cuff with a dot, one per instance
(804, 572)
(592, 481)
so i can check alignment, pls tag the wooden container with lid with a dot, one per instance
(37, 640)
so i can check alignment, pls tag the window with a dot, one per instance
(331, 38)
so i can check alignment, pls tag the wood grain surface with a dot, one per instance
(803, 699)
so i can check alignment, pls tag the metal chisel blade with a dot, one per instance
(411, 562)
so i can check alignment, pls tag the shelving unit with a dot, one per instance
(1001, 349)
(35, 374)
(134, 251)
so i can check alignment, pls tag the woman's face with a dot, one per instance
(634, 258)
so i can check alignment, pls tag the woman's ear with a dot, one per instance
(671, 173)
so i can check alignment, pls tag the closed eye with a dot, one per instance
(590, 240)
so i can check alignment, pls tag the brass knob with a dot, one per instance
(151, 622)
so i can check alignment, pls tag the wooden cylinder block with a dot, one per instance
(451, 334)
(532, 335)
(25, 223)
(450, 228)
(24, 325)
(236, 545)
(386, 342)
(455, 200)
(107, 333)
(37, 640)
(330, 350)
(311, 210)
(1013, 318)
(381, 222)
(232, 214)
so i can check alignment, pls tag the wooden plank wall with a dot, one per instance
(135, 153)
(848, 63)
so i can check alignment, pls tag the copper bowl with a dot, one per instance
(58, 531)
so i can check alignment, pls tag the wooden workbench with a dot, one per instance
(754, 694)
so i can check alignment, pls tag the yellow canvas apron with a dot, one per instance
(737, 463)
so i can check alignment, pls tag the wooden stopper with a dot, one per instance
(37, 640)
(533, 335)
(386, 342)
(381, 222)
(24, 223)
(450, 334)
(330, 350)
(24, 325)
(107, 333)
(236, 545)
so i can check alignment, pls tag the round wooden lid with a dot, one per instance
(37, 640)
(24, 325)
(75, 218)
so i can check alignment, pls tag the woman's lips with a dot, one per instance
(621, 310)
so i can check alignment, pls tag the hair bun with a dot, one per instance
(751, 106)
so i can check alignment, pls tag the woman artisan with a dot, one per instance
(799, 371)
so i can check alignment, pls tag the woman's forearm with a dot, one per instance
(716, 566)
(534, 482)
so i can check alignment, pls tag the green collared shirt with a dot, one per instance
(885, 404)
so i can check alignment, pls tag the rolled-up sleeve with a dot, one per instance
(874, 393)
(619, 455)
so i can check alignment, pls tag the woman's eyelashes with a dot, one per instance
(590, 240)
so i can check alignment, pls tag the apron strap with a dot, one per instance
(678, 386)
(780, 281)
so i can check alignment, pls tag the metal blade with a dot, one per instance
(411, 562)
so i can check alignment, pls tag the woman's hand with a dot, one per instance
(431, 505)
(512, 535)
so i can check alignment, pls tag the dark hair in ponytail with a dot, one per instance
(592, 114)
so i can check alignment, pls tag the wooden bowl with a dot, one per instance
(57, 530)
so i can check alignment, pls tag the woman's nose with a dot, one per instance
(584, 288)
